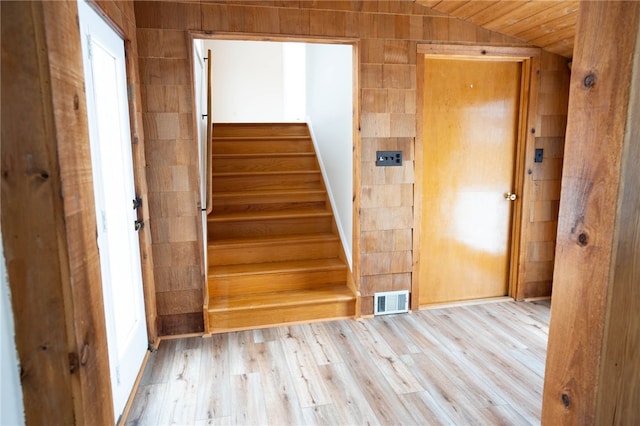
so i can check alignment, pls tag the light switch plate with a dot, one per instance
(388, 158)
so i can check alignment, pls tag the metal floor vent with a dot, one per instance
(391, 302)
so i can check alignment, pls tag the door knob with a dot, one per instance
(137, 203)
(510, 196)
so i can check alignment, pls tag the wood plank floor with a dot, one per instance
(478, 364)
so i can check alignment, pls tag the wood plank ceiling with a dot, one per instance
(550, 24)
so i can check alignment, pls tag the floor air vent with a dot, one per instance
(391, 302)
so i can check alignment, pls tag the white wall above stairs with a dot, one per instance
(329, 111)
(256, 81)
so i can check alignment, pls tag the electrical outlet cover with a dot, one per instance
(388, 158)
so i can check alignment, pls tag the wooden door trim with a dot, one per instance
(232, 36)
(526, 150)
(525, 145)
(474, 52)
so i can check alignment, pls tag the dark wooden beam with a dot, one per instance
(593, 365)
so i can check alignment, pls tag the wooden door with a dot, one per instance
(471, 117)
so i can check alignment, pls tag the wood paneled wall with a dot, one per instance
(389, 31)
(542, 180)
(172, 170)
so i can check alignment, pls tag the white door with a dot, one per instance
(110, 140)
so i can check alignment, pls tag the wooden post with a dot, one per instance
(48, 218)
(593, 361)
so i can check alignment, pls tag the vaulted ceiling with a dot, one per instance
(550, 24)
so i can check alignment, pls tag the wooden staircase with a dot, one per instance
(274, 254)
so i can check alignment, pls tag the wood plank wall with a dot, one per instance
(389, 31)
(543, 180)
(172, 163)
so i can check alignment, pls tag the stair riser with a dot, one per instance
(266, 228)
(265, 164)
(257, 146)
(267, 182)
(267, 283)
(265, 198)
(259, 129)
(273, 252)
(269, 201)
(268, 207)
(269, 317)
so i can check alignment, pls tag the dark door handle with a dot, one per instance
(137, 203)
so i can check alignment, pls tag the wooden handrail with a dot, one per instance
(209, 154)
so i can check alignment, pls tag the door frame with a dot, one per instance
(525, 147)
(354, 277)
(139, 173)
(133, 150)
(140, 184)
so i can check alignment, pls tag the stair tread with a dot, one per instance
(277, 267)
(262, 173)
(266, 214)
(269, 240)
(336, 293)
(261, 138)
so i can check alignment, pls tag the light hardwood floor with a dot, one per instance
(478, 364)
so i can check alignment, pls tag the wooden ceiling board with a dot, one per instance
(562, 47)
(520, 14)
(549, 24)
(547, 39)
(494, 11)
(470, 8)
(548, 27)
(451, 5)
(429, 3)
(539, 19)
